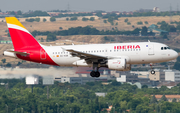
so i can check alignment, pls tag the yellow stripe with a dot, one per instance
(14, 20)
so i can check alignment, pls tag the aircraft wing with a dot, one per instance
(83, 55)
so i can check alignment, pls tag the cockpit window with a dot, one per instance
(164, 48)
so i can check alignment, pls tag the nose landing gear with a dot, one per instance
(152, 69)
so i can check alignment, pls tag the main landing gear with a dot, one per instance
(93, 72)
(152, 69)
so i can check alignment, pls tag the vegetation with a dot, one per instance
(15, 96)
(44, 20)
(73, 18)
(87, 31)
(75, 15)
(52, 19)
(85, 19)
(33, 19)
(140, 23)
(35, 13)
(92, 19)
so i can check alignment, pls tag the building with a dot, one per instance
(158, 76)
(82, 80)
(172, 75)
(128, 77)
(168, 84)
(169, 97)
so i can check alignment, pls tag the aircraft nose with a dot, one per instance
(175, 54)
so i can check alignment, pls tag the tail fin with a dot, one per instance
(20, 36)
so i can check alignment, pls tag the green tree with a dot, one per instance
(19, 12)
(126, 20)
(73, 18)
(37, 19)
(85, 19)
(44, 20)
(144, 31)
(92, 19)
(153, 99)
(146, 22)
(51, 37)
(128, 23)
(174, 100)
(3, 61)
(52, 19)
(8, 65)
(105, 21)
(163, 98)
(67, 19)
(140, 23)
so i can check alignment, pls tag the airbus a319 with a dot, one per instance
(115, 56)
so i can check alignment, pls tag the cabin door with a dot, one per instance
(151, 49)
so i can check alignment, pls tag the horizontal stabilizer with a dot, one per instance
(17, 52)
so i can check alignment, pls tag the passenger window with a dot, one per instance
(102, 50)
(161, 48)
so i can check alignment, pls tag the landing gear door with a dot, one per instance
(150, 49)
(43, 54)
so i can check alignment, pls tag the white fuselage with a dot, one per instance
(134, 53)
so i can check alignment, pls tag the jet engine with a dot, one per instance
(118, 64)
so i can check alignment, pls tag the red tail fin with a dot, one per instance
(20, 36)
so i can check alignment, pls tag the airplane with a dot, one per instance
(115, 56)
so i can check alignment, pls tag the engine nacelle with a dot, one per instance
(119, 65)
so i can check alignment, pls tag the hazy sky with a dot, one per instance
(87, 5)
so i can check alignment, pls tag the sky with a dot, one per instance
(88, 5)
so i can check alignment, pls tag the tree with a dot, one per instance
(128, 23)
(67, 19)
(163, 98)
(146, 22)
(51, 37)
(44, 20)
(84, 19)
(3, 60)
(126, 20)
(52, 19)
(174, 100)
(73, 18)
(139, 23)
(19, 12)
(8, 65)
(37, 19)
(178, 27)
(105, 21)
(99, 14)
(153, 99)
(144, 86)
(144, 31)
(92, 19)
(60, 28)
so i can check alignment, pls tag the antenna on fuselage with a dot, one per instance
(148, 41)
